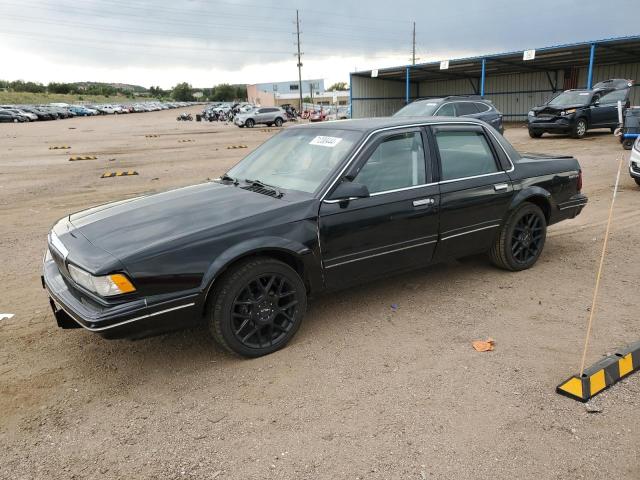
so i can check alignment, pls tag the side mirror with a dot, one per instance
(349, 190)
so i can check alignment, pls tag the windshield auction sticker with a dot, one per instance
(325, 141)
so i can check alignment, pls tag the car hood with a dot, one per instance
(553, 109)
(130, 226)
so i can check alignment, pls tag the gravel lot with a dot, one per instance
(363, 391)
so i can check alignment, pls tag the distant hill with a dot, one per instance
(122, 86)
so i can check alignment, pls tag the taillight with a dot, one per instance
(579, 184)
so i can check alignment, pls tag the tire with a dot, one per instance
(521, 239)
(627, 144)
(613, 129)
(253, 304)
(535, 133)
(278, 122)
(250, 123)
(579, 129)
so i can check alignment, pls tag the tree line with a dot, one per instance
(184, 92)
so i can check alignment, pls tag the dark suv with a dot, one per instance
(576, 111)
(458, 106)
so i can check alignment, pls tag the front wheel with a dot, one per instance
(249, 123)
(579, 129)
(278, 122)
(535, 133)
(257, 307)
(521, 239)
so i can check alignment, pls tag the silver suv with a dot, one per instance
(266, 115)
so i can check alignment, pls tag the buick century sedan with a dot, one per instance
(315, 208)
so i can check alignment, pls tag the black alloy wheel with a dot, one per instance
(257, 307)
(521, 239)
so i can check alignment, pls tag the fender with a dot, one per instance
(304, 253)
(529, 192)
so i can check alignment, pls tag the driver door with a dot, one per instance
(396, 227)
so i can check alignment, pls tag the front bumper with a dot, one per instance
(550, 124)
(634, 165)
(127, 319)
(238, 121)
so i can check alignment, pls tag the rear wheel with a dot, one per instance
(521, 239)
(579, 129)
(250, 123)
(257, 307)
(627, 144)
(278, 122)
(535, 133)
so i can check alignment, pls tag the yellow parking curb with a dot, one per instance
(602, 374)
(118, 174)
(59, 147)
(85, 157)
(232, 147)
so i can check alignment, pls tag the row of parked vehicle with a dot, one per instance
(572, 112)
(55, 111)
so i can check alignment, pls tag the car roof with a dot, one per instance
(377, 123)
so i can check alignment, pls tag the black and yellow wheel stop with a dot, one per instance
(84, 157)
(232, 147)
(59, 147)
(151, 136)
(118, 174)
(602, 374)
(187, 140)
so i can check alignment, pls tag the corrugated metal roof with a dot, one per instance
(608, 51)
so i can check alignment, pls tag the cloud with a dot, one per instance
(164, 42)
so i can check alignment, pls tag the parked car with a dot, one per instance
(317, 116)
(41, 114)
(263, 115)
(315, 208)
(81, 111)
(579, 110)
(31, 117)
(7, 116)
(634, 161)
(454, 106)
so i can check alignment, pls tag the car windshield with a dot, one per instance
(417, 109)
(571, 98)
(297, 159)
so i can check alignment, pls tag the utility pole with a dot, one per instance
(299, 59)
(414, 45)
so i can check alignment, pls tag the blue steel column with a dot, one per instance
(592, 56)
(407, 87)
(482, 77)
(350, 96)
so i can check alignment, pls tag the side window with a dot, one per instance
(260, 110)
(398, 162)
(464, 154)
(447, 110)
(613, 97)
(466, 108)
(482, 107)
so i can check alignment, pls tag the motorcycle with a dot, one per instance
(185, 117)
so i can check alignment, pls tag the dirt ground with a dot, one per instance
(362, 392)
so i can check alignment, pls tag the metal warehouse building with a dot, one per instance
(512, 83)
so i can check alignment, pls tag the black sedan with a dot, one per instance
(315, 208)
(9, 116)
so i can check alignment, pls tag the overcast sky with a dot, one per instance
(163, 42)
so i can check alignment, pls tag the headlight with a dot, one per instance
(106, 286)
(568, 112)
(532, 113)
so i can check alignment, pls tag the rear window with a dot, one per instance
(466, 108)
(482, 107)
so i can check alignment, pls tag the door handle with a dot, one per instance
(500, 186)
(424, 201)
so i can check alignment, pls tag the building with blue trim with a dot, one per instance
(514, 84)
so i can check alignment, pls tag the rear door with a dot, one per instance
(604, 113)
(396, 227)
(475, 188)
